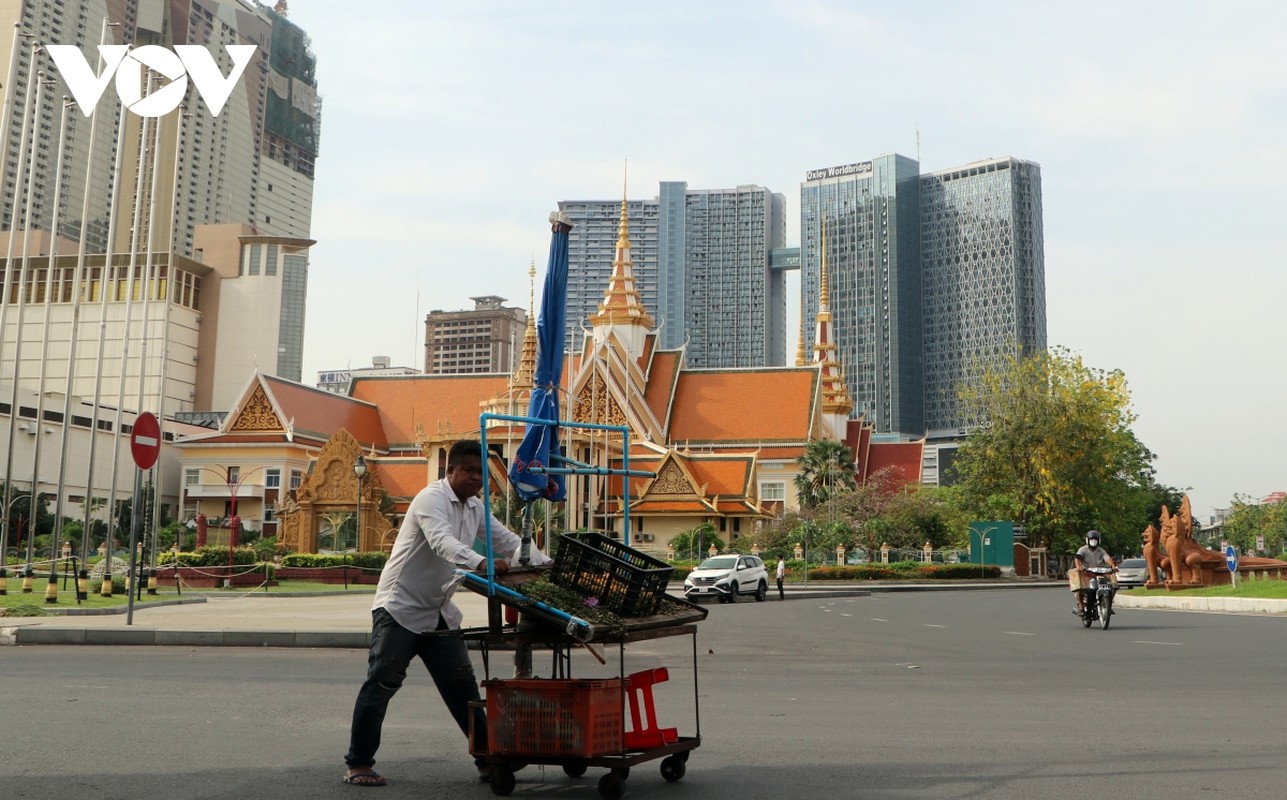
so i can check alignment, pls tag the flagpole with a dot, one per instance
(131, 265)
(80, 292)
(51, 591)
(165, 325)
(5, 113)
(22, 278)
(22, 307)
(149, 287)
(105, 283)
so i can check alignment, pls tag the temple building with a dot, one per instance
(720, 444)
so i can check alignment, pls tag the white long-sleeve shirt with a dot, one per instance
(435, 540)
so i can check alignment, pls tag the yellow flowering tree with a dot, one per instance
(1055, 453)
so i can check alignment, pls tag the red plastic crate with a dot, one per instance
(553, 717)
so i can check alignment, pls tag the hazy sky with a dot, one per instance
(450, 130)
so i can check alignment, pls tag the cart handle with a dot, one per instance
(577, 628)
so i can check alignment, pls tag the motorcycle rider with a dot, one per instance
(1090, 555)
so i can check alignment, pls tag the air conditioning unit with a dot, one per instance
(644, 537)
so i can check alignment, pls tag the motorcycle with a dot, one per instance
(1097, 602)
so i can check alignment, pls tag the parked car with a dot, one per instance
(1132, 572)
(727, 577)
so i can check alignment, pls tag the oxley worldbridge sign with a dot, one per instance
(860, 168)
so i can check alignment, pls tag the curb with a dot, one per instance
(1231, 605)
(168, 638)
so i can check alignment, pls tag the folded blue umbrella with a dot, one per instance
(540, 446)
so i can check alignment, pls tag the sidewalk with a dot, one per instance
(344, 620)
(256, 620)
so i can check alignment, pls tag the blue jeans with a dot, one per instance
(392, 648)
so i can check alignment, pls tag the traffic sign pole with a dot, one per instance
(1231, 559)
(145, 446)
(134, 539)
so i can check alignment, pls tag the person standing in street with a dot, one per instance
(413, 616)
(781, 573)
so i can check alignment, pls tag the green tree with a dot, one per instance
(694, 544)
(1055, 453)
(1249, 519)
(826, 469)
(775, 537)
(337, 533)
(507, 508)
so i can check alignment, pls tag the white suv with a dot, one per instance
(726, 577)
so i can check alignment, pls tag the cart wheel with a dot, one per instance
(612, 785)
(673, 768)
(624, 772)
(503, 781)
(574, 769)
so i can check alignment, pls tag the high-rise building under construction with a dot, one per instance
(251, 164)
(82, 182)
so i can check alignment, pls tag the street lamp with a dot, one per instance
(981, 534)
(4, 546)
(234, 522)
(359, 469)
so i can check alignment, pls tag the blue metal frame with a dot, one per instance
(578, 468)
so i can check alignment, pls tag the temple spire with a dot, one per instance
(835, 394)
(523, 377)
(621, 303)
(800, 356)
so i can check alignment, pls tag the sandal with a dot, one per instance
(363, 777)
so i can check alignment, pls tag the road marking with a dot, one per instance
(1167, 644)
(1018, 633)
(878, 619)
(846, 615)
(928, 625)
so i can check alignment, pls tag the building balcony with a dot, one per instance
(218, 490)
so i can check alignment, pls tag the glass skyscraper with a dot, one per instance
(702, 266)
(933, 278)
(870, 213)
(984, 277)
(727, 303)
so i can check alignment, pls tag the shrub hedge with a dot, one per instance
(209, 556)
(900, 571)
(365, 560)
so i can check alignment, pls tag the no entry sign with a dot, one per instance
(145, 440)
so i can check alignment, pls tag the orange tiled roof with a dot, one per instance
(322, 413)
(736, 507)
(693, 506)
(447, 403)
(724, 477)
(272, 437)
(905, 457)
(402, 479)
(780, 453)
(663, 372)
(748, 406)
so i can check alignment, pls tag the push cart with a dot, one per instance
(565, 721)
(581, 723)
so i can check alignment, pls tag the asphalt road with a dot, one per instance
(997, 694)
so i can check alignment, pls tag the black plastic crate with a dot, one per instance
(625, 581)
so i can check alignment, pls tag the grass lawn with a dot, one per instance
(67, 598)
(1261, 588)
